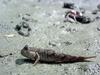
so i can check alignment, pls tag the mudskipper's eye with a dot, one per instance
(26, 47)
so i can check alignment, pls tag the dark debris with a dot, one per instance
(67, 43)
(52, 44)
(69, 5)
(23, 29)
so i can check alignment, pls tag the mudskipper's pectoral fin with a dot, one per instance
(37, 59)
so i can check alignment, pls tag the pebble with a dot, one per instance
(67, 43)
(52, 44)
(69, 5)
(95, 12)
(97, 18)
(98, 28)
(18, 27)
(24, 24)
(98, 6)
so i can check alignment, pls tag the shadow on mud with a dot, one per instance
(25, 61)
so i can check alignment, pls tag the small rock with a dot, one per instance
(18, 27)
(83, 19)
(95, 12)
(98, 28)
(52, 44)
(25, 25)
(27, 14)
(10, 54)
(26, 34)
(97, 18)
(68, 29)
(98, 6)
(19, 15)
(29, 29)
(69, 5)
(82, 10)
(62, 27)
(25, 19)
(67, 43)
(1, 56)
(11, 21)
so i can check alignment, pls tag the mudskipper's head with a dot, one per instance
(27, 52)
(24, 51)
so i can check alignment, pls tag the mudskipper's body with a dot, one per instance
(48, 55)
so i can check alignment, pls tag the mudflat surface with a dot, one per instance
(45, 17)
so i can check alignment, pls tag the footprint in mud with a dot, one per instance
(23, 29)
